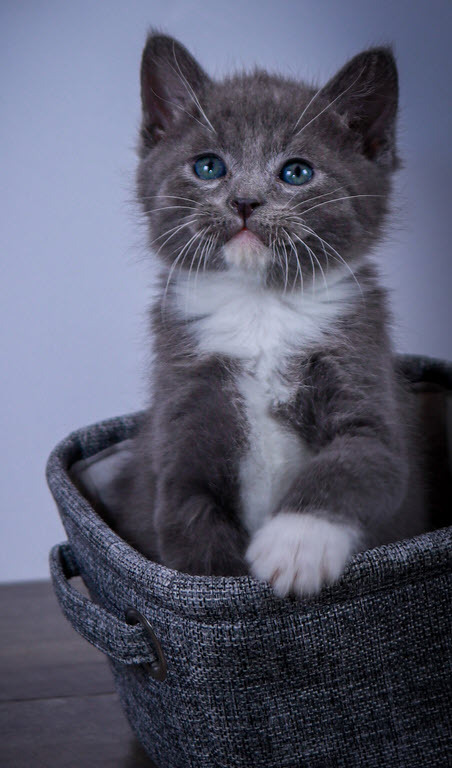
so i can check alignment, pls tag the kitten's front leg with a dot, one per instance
(345, 499)
(198, 537)
(197, 437)
(300, 553)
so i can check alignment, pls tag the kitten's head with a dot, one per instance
(262, 173)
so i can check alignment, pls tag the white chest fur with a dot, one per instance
(234, 315)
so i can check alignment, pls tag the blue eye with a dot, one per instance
(296, 172)
(209, 167)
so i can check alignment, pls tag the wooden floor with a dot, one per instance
(58, 708)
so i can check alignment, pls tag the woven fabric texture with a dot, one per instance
(358, 676)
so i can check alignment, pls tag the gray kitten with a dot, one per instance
(278, 438)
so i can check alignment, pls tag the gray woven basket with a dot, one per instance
(358, 676)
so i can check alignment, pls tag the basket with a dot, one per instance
(217, 672)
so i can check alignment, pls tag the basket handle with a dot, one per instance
(127, 644)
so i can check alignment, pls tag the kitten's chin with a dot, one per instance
(247, 252)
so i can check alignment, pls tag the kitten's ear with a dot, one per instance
(366, 93)
(171, 82)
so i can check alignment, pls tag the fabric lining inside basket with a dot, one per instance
(95, 476)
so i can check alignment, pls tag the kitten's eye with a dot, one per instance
(209, 167)
(296, 172)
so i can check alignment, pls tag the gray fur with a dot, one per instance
(181, 496)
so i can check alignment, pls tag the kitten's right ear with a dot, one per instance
(365, 91)
(171, 82)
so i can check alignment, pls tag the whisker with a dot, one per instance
(298, 220)
(275, 248)
(286, 272)
(201, 258)
(312, 254)
(212, 248)
(310, 199)
(175, 262)
(207, 252)
(172, 207)
(191, 267)
(174, 230)
(326, 256)
(336, 255)
(310, 257)
(331, 103)
(322, 273)
(178, 106)
(317, 93)
(175, 197)
(190, 90)
(335, 200)
(299, 270)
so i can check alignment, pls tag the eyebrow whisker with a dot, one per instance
(331, 102)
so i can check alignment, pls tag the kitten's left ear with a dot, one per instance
(366, 93)
(171, 84)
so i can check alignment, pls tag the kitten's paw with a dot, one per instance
(300, 552)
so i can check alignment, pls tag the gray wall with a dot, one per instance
(74, 282)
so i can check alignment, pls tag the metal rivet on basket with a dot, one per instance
(157, 669)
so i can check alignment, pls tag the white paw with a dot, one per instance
(300, 553)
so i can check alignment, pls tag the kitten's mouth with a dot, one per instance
(246, 250)
(246, 238)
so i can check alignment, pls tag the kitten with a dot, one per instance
(278, 441)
